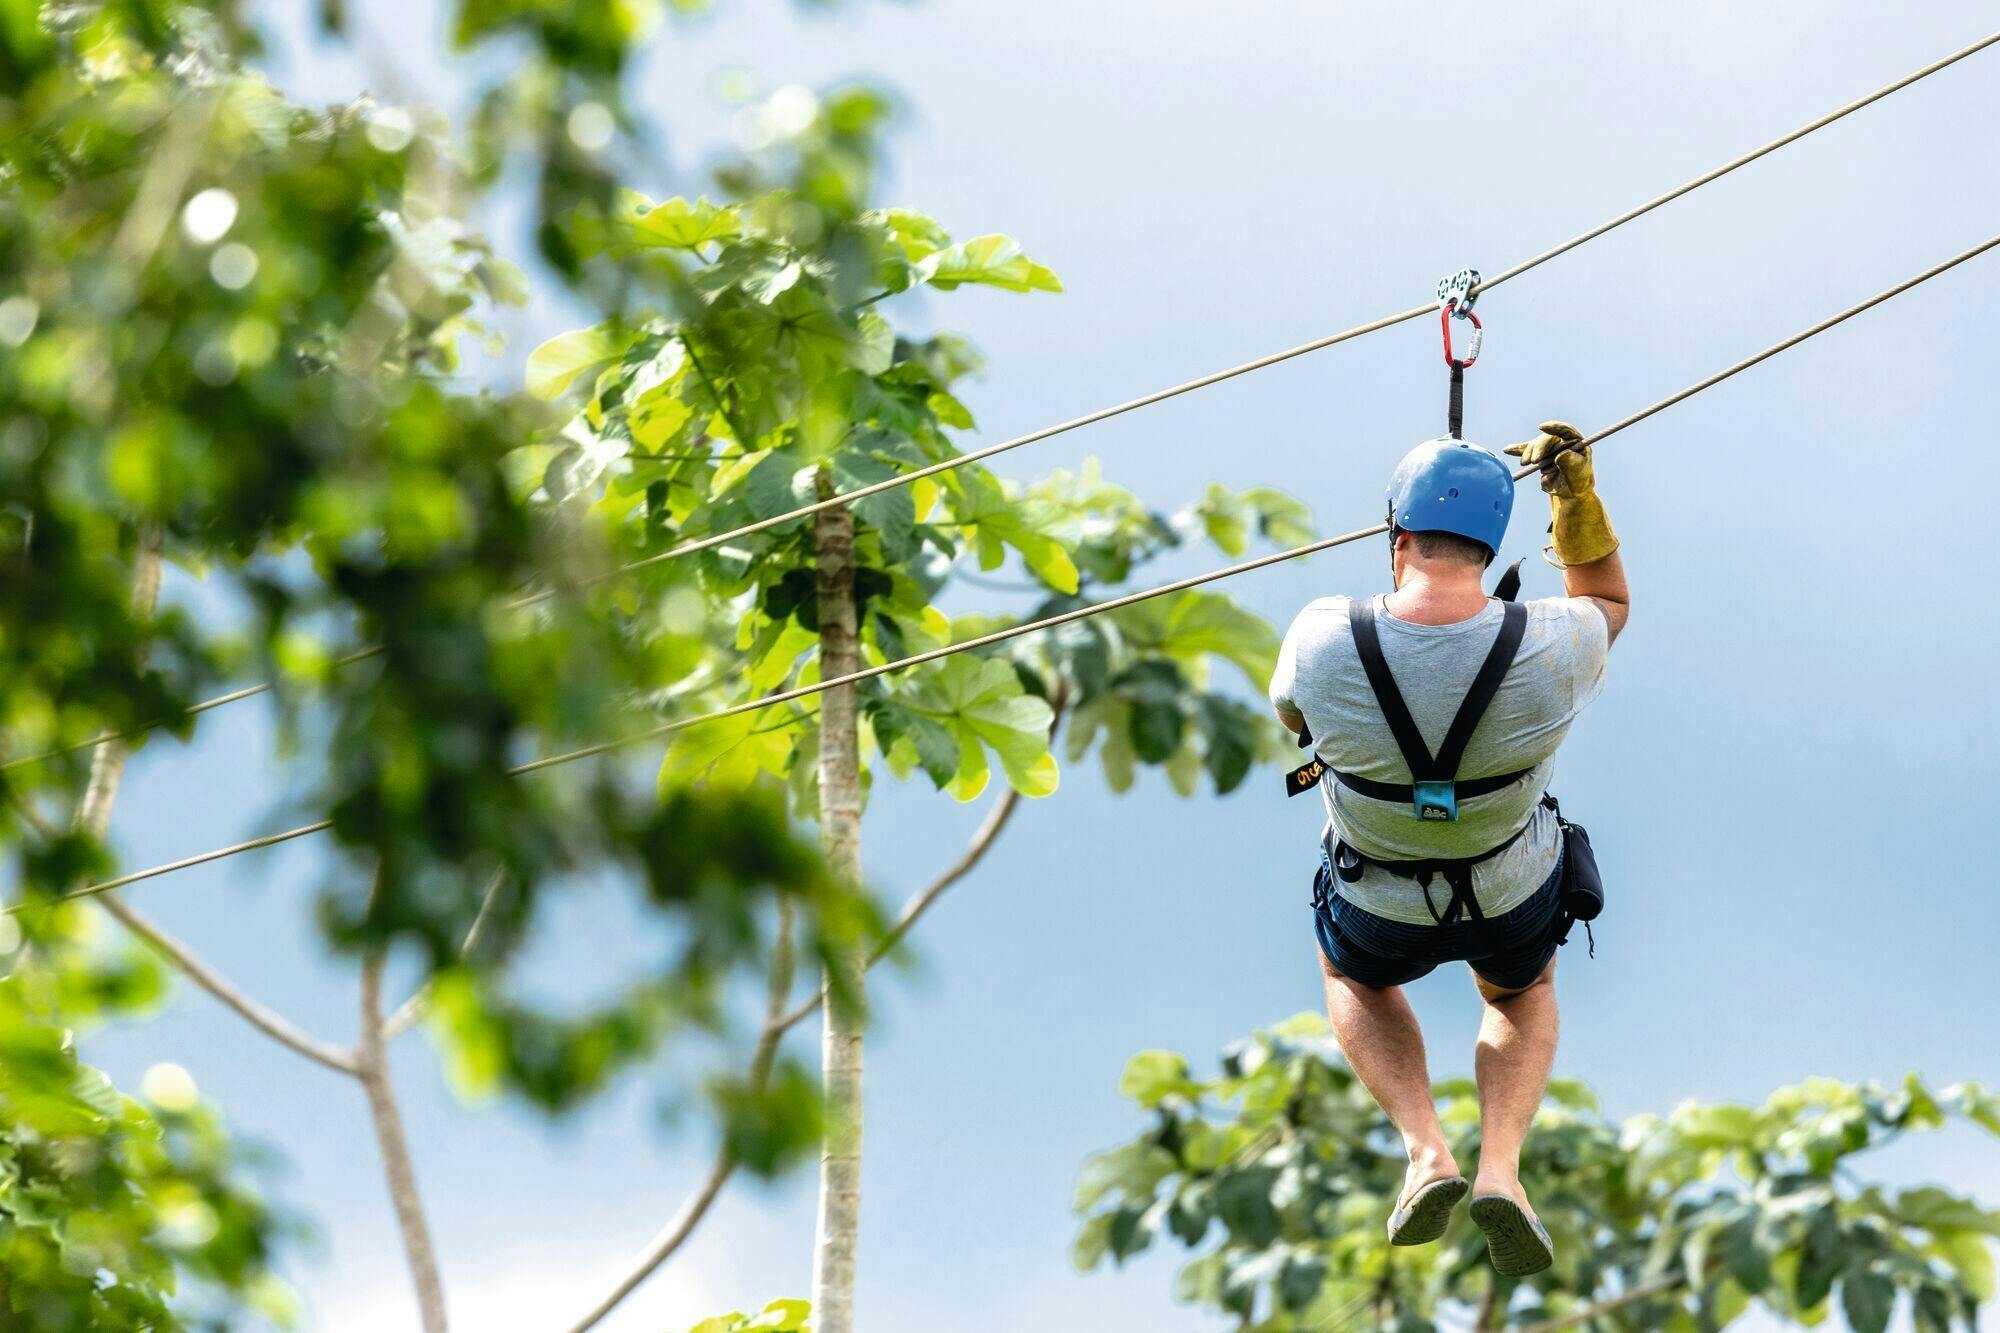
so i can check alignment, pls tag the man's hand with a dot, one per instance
(1582, 530)
(1560, 453)
(1583, 538)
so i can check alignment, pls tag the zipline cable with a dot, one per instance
(1216, 377)
(1106, 413)
(1049, 622)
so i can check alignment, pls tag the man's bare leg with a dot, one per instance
(1517, 1048)
(1379, 1034)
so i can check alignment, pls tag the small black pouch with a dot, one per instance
(1582, 886)
(1581, 892)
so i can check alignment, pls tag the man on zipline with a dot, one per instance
(1452, 853)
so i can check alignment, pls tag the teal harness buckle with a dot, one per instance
(1435, 800)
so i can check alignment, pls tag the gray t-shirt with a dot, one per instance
(1559, 669)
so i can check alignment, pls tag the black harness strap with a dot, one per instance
(1306, 777)
(1403, 792)
(1368, 644)
(1423, 765)
(1433, 770)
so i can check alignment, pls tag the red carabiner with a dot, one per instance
(1445, 315)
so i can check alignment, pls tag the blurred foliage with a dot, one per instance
(1281, 1172)
(109, 1206)
(232, 327)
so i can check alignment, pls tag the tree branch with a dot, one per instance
(784, 963)
(1645, 1291)
(372, 1068)
(191, 965)
(412, 1009)
(919, 902)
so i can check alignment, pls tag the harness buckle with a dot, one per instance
(1435, 800)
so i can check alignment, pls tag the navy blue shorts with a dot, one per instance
(1378, 952)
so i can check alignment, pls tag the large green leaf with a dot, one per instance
(637, 224)
(981, 702)
(557, 362)
(1192, 625)
(994, 261)
(731, 752)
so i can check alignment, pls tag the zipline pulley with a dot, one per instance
(1455, 295)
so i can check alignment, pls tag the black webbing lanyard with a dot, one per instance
(1455, 412)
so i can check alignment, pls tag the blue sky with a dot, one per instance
(1789, 776)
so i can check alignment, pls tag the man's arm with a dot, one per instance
(1283, 674)
(1603, 582)
(1579, 528)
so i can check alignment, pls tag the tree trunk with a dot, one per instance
(371, 1063)
(840, 833)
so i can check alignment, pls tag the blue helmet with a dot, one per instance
(1451, 486)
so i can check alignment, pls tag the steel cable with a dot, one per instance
(1049, 622)
(1119, 409)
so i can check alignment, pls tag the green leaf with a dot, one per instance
(1300, 1280)
(982, 703)
(1820, 1264)
(773, 486)
(1931, 1310)
(1231, 741)
(1283, 520)
(1192, 625)
(1717, 1126)
(1243, 1202)
(1156, 727)
(784, 1316)
(1746, 1259)
(994, 261)
(918, 235)
(1938, 1209)
(1976, 1104)
(1130, 1173)
(1092, 1243)
(1867, 1299)
(1151, 1076)
(1971, 1255)
(730, 752)
(638, 224)
(557, 362)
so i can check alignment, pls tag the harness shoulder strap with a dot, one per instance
(1368, 644)
(1443, 767)
(1513, 624)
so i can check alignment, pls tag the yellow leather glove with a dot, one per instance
(1580, 527)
